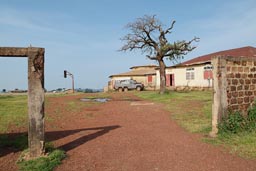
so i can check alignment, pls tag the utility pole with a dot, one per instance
(72, 76)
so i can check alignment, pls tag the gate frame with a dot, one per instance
(36, 128)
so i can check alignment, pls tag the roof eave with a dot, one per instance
(131, 75)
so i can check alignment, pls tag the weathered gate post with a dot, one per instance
(36, 130)
(219, 106)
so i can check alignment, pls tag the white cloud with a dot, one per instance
(231, 26)
(18, 19)
(37, 21)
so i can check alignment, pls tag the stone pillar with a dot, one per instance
(36, 140)
(219, 106)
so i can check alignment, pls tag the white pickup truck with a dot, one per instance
(125, 85)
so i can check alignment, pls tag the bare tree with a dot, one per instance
(149, 36)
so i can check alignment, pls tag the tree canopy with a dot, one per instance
(148, 35)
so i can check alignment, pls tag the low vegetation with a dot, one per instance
(13, 112)
(46, 163)
(238, 132)
(192, 110)
(13, 115)
(235, 122)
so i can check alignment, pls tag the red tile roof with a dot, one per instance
(144, 66)
(142, 72)
(247, 51)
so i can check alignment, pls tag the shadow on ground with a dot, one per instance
(14, 142)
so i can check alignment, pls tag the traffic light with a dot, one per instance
(65, 74)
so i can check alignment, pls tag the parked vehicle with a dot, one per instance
(125, 85)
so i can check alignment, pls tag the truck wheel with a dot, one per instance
(120, 89)
(138, 88)
(125, 89)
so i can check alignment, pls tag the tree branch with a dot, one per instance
(151, 57)
(148, 35)
(170, 28)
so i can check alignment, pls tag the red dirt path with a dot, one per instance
(128, 134)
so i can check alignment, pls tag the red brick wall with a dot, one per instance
(234, 86)
(241, 81)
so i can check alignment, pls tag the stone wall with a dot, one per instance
(241, 80)
(234, 80)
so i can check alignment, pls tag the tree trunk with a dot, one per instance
(162, 76)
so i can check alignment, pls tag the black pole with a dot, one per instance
(72, 76)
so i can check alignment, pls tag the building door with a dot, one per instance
(150, 79)
(168, 80)
(208, 74)
(172, 80)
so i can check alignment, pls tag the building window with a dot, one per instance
(190, 74)
(150, 79)
(208, 72)
(208, 68)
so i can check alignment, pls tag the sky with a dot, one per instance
(83, 36)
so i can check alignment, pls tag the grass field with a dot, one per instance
(192, 110)
(13, 112)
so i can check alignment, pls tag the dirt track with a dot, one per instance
(128, 134)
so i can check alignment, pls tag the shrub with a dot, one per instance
(232, 123)
(251, 118)
(235, 122)
(47, 163)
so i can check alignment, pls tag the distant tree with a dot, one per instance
(147, 34)
(88, 90)
(4, 90)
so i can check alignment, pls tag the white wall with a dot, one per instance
(180, 77)
(121, 78)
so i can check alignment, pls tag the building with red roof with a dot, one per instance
(197, 72)
(247, 51)
(194, 73)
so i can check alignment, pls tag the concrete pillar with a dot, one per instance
(219, 106)
(36, 99)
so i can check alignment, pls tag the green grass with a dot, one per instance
(192, 110)
(97, 95)
(61, 94)
(19, 142)
(77, 106)
(47, 163)
(13, 111)
(242, 143)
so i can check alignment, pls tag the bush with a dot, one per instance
(235, 122)
(251, 118)
(232, 123)
(47, 163)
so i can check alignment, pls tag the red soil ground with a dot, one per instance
(126, 134)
